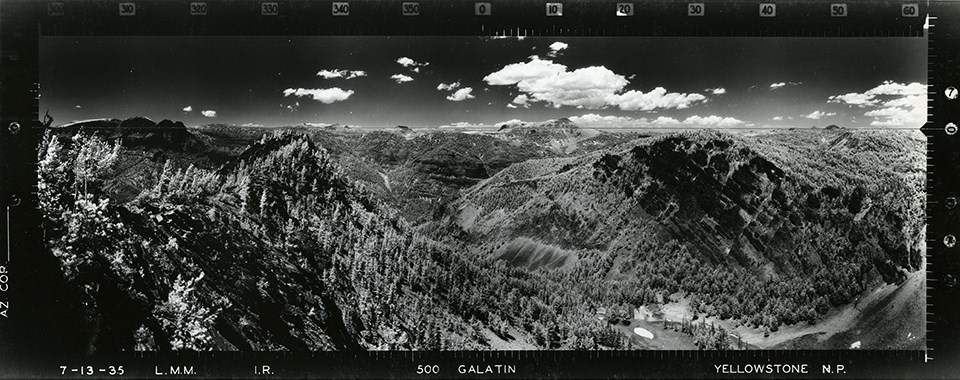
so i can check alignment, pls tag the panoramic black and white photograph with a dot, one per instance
(271, 193)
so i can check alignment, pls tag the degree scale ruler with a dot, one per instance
(26, 275)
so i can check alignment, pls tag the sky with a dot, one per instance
(477, 82)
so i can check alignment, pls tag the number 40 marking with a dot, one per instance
(768, 10)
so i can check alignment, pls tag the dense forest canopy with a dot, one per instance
(544, 236)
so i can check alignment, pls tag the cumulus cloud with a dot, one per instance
(854, 99)
(556, 47)
(510, 105)
(322, 95)
(872, 97)
(209, 113)
(895, 117)
(188, 109)
(777, 118)
(816, 115)
(542, 80)
(466, 125)
(900, 104)
(521, 100)
(716, 91)
(461, 95)
(448, 87)
(774, 86)
(400, 78)
(609, 121)
(657, 98)
(411, 64)
(346, 74)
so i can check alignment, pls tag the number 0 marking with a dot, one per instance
(128, 9)
(482, 9)
(838, 10)
(695, 9)
(624, 9)
(554, 9)
(768, 10)
(910, 10)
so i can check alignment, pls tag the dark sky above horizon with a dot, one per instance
(625, 82)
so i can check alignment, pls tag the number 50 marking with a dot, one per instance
(838, 10)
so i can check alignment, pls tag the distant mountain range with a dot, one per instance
(538, 235)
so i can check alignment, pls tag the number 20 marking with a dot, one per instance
(624, 9)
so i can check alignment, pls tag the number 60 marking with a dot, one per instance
(910, 10)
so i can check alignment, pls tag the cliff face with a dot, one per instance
(778, 206)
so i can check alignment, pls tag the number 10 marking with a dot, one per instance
(554, 9)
